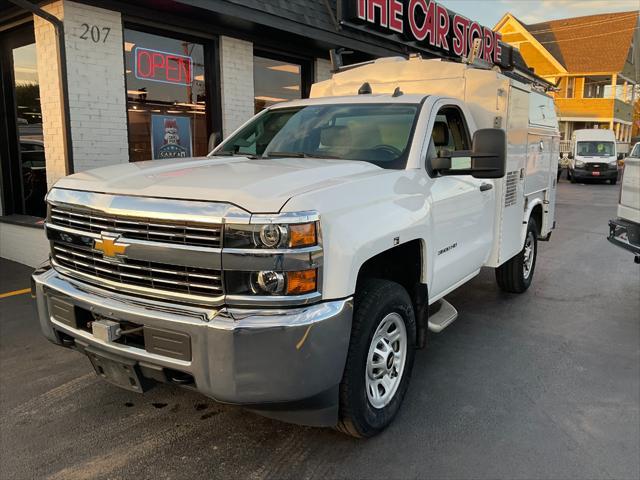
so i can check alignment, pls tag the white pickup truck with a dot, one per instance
(624, 230)
(296, 269)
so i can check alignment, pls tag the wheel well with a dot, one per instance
(403, 265)
(536, 214)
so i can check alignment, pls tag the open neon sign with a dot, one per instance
(164, 67)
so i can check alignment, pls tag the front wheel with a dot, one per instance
(380, 358)
(515, 275)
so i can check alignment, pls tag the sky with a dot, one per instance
(489, 12)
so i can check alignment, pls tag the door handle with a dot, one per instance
(485, 186)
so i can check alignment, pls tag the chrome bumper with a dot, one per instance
(241, 356)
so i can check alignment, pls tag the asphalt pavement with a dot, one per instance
(540, 385)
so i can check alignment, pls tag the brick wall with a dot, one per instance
(48, 78)
(236, 62)
(95, 71)
(97, 96)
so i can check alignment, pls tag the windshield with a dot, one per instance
(596, 149)
(376, 133)
(636, 151)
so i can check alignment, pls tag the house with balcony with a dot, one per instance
(593, 60)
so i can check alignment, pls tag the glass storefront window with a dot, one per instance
(166, 97)
(32, 168)
(275, 81)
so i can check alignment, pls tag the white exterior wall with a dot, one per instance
(48, 78)
(236, 63)
(25, 245)
(97, 95)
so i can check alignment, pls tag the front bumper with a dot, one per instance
(625, 234)
(259, 358)
(602, 174)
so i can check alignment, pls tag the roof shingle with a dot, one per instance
(594, 43)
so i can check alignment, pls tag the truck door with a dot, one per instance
(462, 208)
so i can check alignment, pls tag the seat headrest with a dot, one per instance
(336, 136)
(440, 134)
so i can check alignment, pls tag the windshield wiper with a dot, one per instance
(233, 154)
(301, 155)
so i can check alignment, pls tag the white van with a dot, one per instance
(593, 155)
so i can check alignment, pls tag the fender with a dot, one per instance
(365, 217)
(531, 203)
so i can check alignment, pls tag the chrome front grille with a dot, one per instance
(175, 232)
(201, 282)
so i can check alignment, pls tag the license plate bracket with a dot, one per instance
(595, 174)
(121, 372)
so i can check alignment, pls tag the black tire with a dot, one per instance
(374, 300)
(512, 276)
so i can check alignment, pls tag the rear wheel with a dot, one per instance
(515, 276)
(380, 358)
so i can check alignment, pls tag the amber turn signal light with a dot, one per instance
(302, 235)
(302, 282)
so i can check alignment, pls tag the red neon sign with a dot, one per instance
(165, 67)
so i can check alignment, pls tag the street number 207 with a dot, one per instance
(95, 33)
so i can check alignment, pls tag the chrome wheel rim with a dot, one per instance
(529, 254)
(385, 360)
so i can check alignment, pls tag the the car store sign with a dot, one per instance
(426, 25)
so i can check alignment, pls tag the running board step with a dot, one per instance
(444, 317)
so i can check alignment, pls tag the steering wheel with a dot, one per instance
(391, 150)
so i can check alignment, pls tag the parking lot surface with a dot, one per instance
(540, 385)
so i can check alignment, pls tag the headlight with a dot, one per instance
(271, 235)
(271, 283)
(580, 164)
(613, 163)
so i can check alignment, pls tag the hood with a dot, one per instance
(596, 158)
(259, 186)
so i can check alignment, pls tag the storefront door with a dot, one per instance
(24, 179)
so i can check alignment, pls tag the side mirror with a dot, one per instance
(621, 156)
(214, 140)
(487, 159)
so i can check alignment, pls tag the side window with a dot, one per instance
(450, 134)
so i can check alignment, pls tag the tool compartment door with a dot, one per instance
(537, 175)
(540, 144)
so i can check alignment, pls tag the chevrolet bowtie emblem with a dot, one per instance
(109, 247)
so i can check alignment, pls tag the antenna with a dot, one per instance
(335, 54)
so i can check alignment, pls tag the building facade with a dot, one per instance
(593, 60)
(92, 83)
(129, 81)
